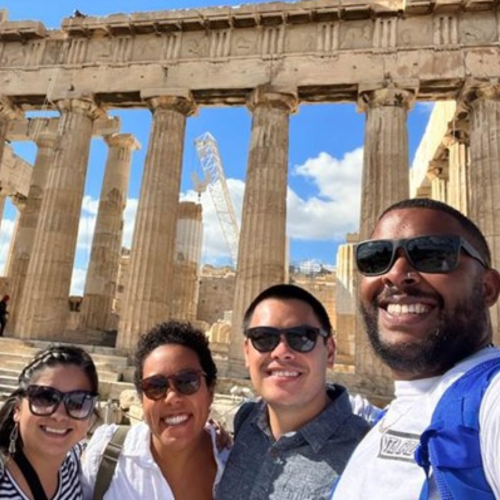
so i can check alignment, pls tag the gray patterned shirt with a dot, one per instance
(301, 465)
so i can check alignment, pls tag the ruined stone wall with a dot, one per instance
(323, 287)
(216, 293)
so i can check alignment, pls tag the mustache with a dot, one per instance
(391, 292)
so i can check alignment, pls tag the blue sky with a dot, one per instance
(324, 161)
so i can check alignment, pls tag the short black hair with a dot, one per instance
(290, 292)
(474, 234)
(179, 333)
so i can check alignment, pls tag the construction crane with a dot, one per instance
(215, 180)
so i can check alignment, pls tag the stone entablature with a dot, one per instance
(15, 174)
(326, 49)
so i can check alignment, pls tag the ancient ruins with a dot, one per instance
(273, 57)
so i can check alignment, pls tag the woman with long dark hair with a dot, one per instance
(42, 423)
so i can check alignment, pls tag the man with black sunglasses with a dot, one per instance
(425, 292)
(293, 442)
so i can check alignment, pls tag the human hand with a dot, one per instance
(223, 439)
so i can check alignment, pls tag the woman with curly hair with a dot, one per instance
(173, 453)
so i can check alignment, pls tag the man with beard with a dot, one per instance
(426, 287)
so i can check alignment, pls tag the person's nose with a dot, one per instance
(283, 350)
(402, 273)
(61, 412)
(172, 395)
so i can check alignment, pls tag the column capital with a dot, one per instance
(46, 139)
(122, 141)
(19, 200)
(80, 104)
(174, 99)
(474, 90)
(388, 94)
(438, 169)
(274, 97)
(8, 109)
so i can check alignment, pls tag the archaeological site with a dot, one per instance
(271, 58)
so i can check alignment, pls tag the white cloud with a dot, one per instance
(89, 205)
(78, 281)
(6, 232)
(335, 210)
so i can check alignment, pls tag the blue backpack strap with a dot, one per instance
(451, 444)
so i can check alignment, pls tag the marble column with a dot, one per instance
(262, 245)
(458, 186)
(186, 276)
(483, 100)
(28, 221)
(102, 274)
(385, 180)
(386, 169)
(44, 309)
(345, 299)
(438, 175)
(149, 282)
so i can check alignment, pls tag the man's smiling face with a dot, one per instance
(419, 323)
(284, 377)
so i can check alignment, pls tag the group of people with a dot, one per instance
(426, 286)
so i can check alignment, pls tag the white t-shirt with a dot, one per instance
(137, 475)
(383, 468)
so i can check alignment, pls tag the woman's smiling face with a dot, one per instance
(54, 435)
(176, 420)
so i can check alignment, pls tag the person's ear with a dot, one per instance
(491, 286)
(330, 349)
(247, 351)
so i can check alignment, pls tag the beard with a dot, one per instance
(459, 334)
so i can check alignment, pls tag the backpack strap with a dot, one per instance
(451, 443)
(242, 414)
(109, 460)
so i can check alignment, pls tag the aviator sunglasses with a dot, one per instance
(43, 401)
(300, 338)
(157, 386)
(426, 254)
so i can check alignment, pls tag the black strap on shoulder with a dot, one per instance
(30, 475)
(109, 460)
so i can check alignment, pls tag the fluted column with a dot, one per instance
(438, 175)
(484, 174)
(262, 245)
(386, 174)
(185, 279)
(44, 304)
(148, 287)
(458, 186)
(27, 223)
(345, 299)
(385, 180)
(102, 273)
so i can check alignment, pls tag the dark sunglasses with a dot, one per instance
(43, 401)
(426, 254)
(300, 338)
(157, 386)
